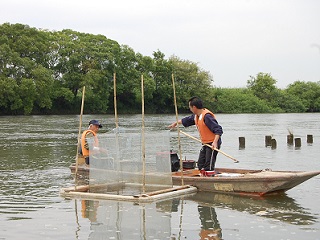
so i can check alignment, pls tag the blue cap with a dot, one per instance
(95, 122)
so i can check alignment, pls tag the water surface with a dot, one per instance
(37, 151)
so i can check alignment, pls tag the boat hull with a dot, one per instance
(234, 181)
(248, 182)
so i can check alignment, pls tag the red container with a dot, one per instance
(207, 173)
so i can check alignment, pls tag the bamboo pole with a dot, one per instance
(143, 137)
(157, 192)
(177, 119)
(144, 231)
(116, 119)
(79, 134)
(116, 197)
(77, 218)
(115, 101)
(180, 224)
(194, 138)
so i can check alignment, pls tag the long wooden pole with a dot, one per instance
(79, 134)
(115, 101)
(194, 138)
(177, 119)
(143, 137)
(116, 120)
(167, 190)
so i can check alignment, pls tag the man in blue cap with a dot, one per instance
(89, 140)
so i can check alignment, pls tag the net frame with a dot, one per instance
(124, 171)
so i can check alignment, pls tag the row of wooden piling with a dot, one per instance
(271, 142)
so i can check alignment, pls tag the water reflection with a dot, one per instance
(280, 207)
(207, 220)
(124, 220)
(121, 220)
(210, 226)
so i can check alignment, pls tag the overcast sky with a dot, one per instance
(232, 39)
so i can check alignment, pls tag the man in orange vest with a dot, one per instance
(209, 130)
(89, 140)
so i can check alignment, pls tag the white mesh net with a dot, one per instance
(129, 169)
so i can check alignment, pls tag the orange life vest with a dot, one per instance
(86, 152)
(205, 134)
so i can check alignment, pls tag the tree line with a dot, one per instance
(43, 72)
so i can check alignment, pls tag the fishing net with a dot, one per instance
(133, 164)
(120, 220)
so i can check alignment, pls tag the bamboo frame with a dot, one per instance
(143, 198)
(83, 191)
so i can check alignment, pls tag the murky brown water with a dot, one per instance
(36, 152)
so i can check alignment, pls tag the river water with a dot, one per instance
(36, 152)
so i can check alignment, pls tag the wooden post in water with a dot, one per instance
(309, 138)
(242, 142)
(268, 141)
(290, 139)
(297, 142)
(273, 143)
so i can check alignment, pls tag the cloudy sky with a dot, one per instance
(232, 39)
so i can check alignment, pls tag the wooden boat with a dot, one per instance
(234, 181)
(244, 181)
